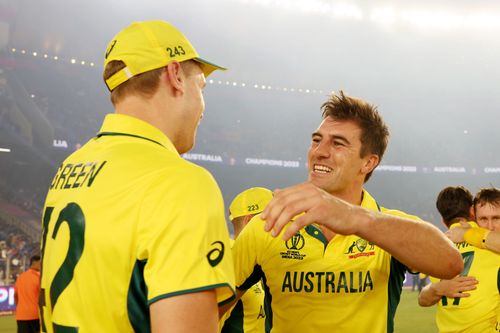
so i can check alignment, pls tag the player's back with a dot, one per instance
(477, 313)
(105, 208)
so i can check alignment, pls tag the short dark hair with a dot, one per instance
(374, 132)
(489, 195)
(34, 258)
(454, 202)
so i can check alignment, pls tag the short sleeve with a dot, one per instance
(183, 236)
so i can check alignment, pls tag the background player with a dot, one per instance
(248, 314)
(487, 212)
(464, 304)
(26, 294)
(134, 236)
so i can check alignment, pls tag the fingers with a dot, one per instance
(285, 205)
(299, 223)
(465, 224)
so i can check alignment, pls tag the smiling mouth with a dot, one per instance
(319, 168)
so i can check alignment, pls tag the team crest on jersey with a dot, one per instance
(360, 248)
(294, 245)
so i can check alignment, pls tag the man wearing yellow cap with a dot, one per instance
(467, 303)
(248, 315)
(134, 237)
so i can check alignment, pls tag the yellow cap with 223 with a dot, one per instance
(148, 45)
(251, 201)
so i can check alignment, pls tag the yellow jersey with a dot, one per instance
(477, 313)
(248, 314)
(312, 285)
(128, 222)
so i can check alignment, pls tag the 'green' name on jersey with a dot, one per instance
(76, 175)
(327, 282)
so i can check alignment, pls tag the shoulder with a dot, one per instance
(399, 213)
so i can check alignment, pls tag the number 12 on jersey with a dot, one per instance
(73, 216)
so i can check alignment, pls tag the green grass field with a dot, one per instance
(410, 318)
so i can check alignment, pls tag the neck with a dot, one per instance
(154, 112)
(353, 196)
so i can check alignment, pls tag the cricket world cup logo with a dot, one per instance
(296, 242)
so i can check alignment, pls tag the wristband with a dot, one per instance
(476, 237)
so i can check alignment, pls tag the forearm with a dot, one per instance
(416, 244)
(493, 241)
(226, 307)
(428, 296)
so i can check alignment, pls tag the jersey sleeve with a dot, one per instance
(183, 236)
(247, 253)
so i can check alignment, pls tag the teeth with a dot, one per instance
(322, 168)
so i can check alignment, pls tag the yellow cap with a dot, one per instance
(144, 46)
(251, 201)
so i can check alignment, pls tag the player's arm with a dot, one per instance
(480, 237)
(416, 244)
(492, 241)
(194, 312)
(16, 297)
(456, 287)
(223, 308)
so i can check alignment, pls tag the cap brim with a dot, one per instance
(208, 67)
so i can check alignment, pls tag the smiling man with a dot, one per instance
(340, 263)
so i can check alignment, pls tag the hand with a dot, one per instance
(456, 286)
(316, 205)
(456, 235)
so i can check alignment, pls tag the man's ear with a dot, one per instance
(370, 164)
(472, 214)
(175, 76)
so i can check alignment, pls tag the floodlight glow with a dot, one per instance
(5, 150)
(347, 11)
(13, 50)
(421, 18)
(91, 64)
(384, 15)
(56, 58)
(73, 61)
(23, 51)
(45, 56)
(82, 62)
(35, 54)
(210, 81)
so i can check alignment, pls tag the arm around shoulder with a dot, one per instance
(417, 244)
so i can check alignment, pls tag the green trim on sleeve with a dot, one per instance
(137, 299)
(193, 290)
